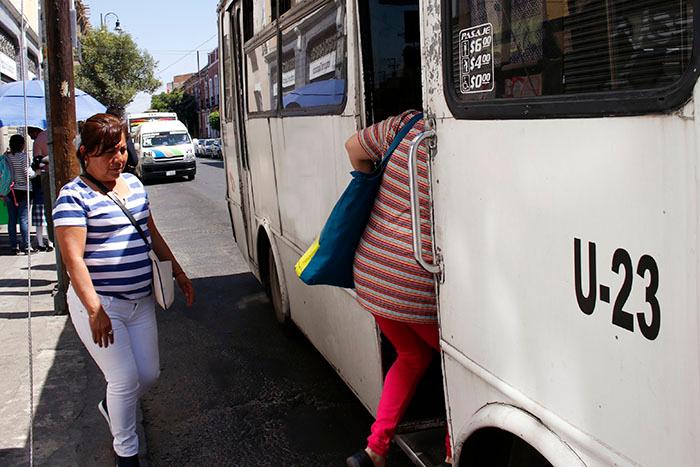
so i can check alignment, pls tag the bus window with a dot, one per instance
(282, 7)
(391, 57)
(261, 66)
(518, 49)
(227, 77)
(313, 62)
(247, 20)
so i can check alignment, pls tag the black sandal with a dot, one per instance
(359, 459)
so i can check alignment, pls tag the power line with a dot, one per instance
(161, 70)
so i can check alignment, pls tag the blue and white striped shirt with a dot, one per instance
(115, 254)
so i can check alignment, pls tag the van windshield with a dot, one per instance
(164, 139)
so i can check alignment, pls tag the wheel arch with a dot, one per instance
(522, 424)
(266, 243)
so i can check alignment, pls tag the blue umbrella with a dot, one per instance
(12, 104)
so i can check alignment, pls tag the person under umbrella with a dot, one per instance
(20, 196)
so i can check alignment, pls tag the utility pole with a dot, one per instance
(61, 114)
(199, 99)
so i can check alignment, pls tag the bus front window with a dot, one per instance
(164, 139)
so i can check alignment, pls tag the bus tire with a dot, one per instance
(275, 291)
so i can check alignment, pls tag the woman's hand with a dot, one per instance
(186, 286)
(101, 326)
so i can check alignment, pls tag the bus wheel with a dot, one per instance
(499, 448)
(275, 291)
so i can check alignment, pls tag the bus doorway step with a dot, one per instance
(425, 448)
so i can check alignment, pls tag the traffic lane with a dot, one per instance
(236, 389)
(194, 220)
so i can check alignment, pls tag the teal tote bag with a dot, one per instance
(330, 258)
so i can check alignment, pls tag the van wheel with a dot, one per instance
(281, 311)
(138, 171)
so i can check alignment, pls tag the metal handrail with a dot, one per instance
(415, 202)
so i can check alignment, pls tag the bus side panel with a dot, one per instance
(344, 333)
(513, 200)
(312, 169)
(468, 393)
(262, 171)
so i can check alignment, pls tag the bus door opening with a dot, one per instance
(392, 84)
(390, 31)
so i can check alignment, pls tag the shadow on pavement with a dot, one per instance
(235, 389)
(218, 163)
(23, 315)
(68, 429)
(42, 267)
(20, 283)
(165, 180)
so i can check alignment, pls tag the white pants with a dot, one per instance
(130, 365)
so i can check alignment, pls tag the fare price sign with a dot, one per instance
(476, 59)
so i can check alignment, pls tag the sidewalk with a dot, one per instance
(68, 430)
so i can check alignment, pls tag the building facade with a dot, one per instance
(10, 48)
(10, 40)
(204, 87)
(177, 82)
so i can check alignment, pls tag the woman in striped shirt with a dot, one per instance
(389, 282)
(110, 299)
(20, 198)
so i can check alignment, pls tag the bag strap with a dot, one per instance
(105, 191)
(399, 137)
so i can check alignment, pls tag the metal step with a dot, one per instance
(425, 448)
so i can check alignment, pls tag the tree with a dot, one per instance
(184, 105)
(215, 120)
(114, 70)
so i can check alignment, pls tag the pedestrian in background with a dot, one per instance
(110, 297)
(20, 198)
(389, 282)
(40, 188)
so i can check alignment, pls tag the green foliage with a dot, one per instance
(177, 101)
(114, 70)
(215, 120)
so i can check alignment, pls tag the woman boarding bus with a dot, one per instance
(565, 220)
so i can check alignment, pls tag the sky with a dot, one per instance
(171, 31)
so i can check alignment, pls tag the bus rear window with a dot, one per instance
(514, 49)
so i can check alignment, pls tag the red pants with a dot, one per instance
(414, 344)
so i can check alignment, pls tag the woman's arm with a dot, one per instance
(163, 252)
(359, 159)
(71, 241)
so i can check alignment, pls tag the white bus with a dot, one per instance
(565, 194)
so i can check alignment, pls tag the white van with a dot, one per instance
(165, 149)
(135, 120)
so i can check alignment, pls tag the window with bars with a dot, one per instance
(514, 49)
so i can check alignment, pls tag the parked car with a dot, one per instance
(212, 148)
(217, 149)
(199, 147)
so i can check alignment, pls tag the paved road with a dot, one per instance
(234, 388)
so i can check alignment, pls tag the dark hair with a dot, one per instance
(98, 133)
(16, 143)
